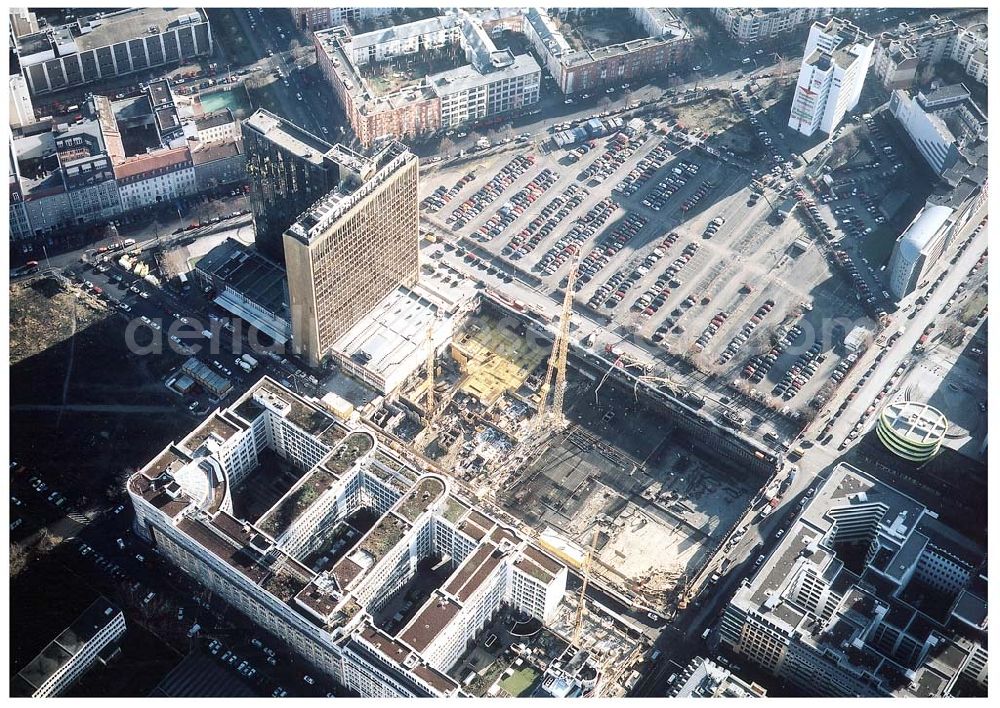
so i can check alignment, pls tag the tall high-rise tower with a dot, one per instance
(832, 75)
(352, 247)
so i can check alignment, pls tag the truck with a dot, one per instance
(206, 333)
(250, 360)
(243, 365)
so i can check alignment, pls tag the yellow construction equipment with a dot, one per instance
(429, 405)
(578, 624)
(555, 375)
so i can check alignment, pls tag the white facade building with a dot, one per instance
(755, 24)
(72, 653)
(335, 613)
(836, 627)
(834, 67)
(160, 177)
(21, 110)
(918, 247)
(942, 123)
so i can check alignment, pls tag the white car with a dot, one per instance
(697, 68)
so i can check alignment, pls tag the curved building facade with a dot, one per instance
(918, 248)
(914, 431)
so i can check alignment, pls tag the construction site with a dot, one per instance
(608, 472)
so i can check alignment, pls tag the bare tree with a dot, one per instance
(844, 149)
(18, 559)
(954, 334)
(446, 146)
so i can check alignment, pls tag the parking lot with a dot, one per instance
(676, 248)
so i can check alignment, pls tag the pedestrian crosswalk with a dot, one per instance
(79, 518)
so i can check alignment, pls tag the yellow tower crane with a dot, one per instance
(585, 571)
(555, 375)
(429, 405)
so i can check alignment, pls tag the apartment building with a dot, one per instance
(310, 19)
(837, 608)
(160, 177)
(668, 44)
(332, 594)
(834, 67)
(288, 169)
(89, 640)
(219, 163)
(490, 82)
(61, 176)
(761, 24)
(107, 45)
(903, 55)
(352, 247)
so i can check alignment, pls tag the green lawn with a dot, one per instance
(520, 682)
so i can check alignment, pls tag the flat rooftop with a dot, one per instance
(288, 136)
(248, 272)
(68, 644)
(321, 215)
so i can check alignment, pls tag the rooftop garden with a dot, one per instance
(534, 570)
(283, 585)
(308, 418)
(292, 506)
(419, 498)
(354, 446)
(454, 509)
(248, 410)
(387, 533)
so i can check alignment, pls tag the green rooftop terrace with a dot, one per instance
(420, 498)
(387, 533)
(296, 502)
(308, 418)
(354, 446)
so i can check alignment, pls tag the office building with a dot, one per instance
(316, 531)
(111, 44)
(288, 169)
(868, 593)
(90, 639)
(668, 44)
(944, 123)
(761, 24)
(487, 82)
(918, 248)
(22, 112)
(912, 430)
(703, 678)
(352, 247)
(834, 67)
(249, 286)
(912, 51)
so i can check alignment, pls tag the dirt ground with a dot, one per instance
(714, 114)
(42, 316)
